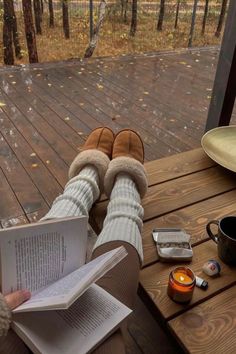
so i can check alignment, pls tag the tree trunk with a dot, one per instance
(93, 42)
(177, 14)
(51, 13)
(125, 11)
(122, 2)
(192, 23)
(205, 16)
(37, 16)
(65, 14)
(15, 32)
(7, 34)
(161, 15)
(41, 8)
(221, 18)
(133, 26)
(29, 31)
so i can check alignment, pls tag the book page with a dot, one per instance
(76, 330)
(65, 291)
(35, 255)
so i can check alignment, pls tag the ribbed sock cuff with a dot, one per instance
(78, 197)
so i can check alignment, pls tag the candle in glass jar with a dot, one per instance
(181, 284)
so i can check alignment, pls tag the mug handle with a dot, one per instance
(210, 233)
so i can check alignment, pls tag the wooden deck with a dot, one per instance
(47, 110)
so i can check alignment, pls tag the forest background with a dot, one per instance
(61, 29)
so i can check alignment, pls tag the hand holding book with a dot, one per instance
(17, 298)
(48, 258)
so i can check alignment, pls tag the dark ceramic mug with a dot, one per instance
(225, 238)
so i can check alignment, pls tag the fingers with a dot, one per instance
(17, 298)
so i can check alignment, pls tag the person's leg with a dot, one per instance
(122, 226)
(78, 197)
(86, 177)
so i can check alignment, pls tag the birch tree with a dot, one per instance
(94, 40)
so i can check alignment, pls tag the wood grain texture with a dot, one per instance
(210, 327)
(193, 219)
(187, 190)
(9, 205)
(178, 193)
(154, 280)
(147, 333)
(167, 168)
(30, 199)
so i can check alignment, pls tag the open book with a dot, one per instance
(68, 312)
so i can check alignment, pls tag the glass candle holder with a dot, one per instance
(181, 284)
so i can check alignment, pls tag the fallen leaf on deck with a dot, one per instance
(33, 154)
(34, 165)
(2, 104)
(67, 118)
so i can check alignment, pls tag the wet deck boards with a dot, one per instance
(47, 111)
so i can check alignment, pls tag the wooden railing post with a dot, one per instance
(224, 90)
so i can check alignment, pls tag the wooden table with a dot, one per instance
(187, 190)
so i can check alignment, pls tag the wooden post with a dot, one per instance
(224, 90)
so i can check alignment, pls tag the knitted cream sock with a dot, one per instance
(124, 215)
(78, 197)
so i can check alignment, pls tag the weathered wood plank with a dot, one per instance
(38, 172)
(175, 194)
(34, 136)
(193, 219)
(26, 192)
(130, 114)
(165, 169)
(210, 327)
(154, 280)
(9, 206)
(56, 131)
(116, 117)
